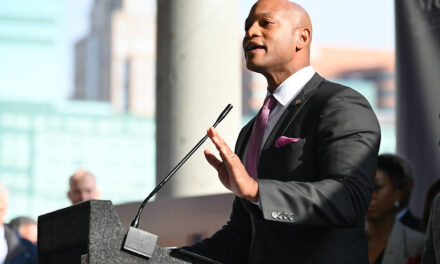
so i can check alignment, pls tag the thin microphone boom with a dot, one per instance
(135, 222)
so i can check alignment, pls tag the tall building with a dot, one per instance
(31, 50)
(368, 65)
(115, 62)
(42, 144)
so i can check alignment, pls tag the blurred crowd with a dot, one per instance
(394, 233)
(18, 238)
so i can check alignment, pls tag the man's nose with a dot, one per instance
(253, 30)
(84, 196)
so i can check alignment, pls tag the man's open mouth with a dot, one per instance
(251, 46)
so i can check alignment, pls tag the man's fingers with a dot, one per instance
(212, 159)
(219, 166)
(215, 138)
(225, 152)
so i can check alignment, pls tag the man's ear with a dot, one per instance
(304, 37)
(69, 195)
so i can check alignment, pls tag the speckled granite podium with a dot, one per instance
(91, 233)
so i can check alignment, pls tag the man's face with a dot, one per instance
(3, 206)
(29, 232)
(269, 41)
(83, 189)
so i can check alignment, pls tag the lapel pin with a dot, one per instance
(297, 102)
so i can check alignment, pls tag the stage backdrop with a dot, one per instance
(418, 92)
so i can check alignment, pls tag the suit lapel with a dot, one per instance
(395, 246)
(292, 110)
(243, 138)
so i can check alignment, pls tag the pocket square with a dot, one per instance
(282, 141)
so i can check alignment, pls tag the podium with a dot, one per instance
(91, 233)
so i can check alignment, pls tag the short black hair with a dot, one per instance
(397, 169)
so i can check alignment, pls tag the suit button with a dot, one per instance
(280, 217)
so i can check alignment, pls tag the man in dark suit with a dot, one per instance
(20, 251)
(305, 199)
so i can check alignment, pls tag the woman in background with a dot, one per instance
(389, 241)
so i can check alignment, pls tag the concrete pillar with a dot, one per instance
(198, 74)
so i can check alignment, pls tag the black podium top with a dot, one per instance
(91, 233)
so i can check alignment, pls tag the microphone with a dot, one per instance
(142, 242)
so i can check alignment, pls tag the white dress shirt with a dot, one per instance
(284, 94)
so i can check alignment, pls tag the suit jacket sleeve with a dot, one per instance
(231, 243)
(347, 140)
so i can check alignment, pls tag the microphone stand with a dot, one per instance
(142, 242)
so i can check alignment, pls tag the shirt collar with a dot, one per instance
(402, 213)
(291, 87)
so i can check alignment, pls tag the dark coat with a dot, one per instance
(20, 251)
(313, 193)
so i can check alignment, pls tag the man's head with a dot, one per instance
(82, 187)
(277, 38)
(26, 227)
(400, 173)
(4, 196)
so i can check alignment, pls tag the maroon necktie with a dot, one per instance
(257, 136)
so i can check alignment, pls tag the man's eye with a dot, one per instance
(266, 23)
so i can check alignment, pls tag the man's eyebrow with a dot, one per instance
(257, 16)
(263, 14)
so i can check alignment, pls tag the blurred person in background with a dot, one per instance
(82, 187)
(431, 252)
(389, 241)
(13, 249)
(25, 227)
(433, 191)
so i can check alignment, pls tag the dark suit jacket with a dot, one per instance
(313, 193)
(20, 251)
(431, 252)
(410, 220)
